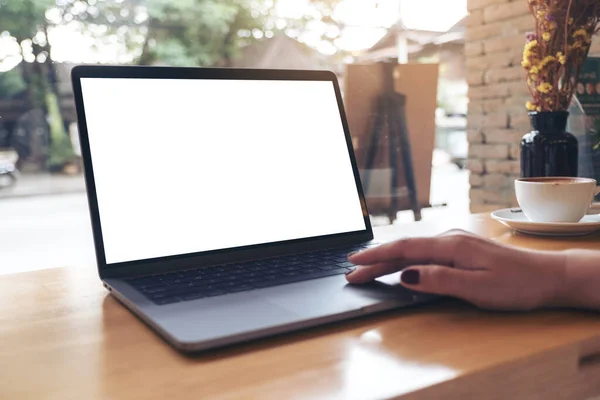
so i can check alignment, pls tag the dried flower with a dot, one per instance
(544, 87)
(554, 53)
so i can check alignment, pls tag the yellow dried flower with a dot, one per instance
(528, 53)
(556, 48)
(544, 87)
(530, 45)
(546, 61)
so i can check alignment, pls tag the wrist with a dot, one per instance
(579, 287)
(556, 265)
(561, 295)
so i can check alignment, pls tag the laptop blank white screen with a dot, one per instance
(184, 166)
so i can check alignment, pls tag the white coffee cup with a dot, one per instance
(555, 199)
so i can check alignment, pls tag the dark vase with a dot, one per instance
(548, 150)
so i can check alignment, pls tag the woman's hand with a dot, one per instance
(480, 271)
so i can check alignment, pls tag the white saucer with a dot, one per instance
(515, 219)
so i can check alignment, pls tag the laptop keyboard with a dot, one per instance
(174, 287)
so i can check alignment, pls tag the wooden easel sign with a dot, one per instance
(391, 115)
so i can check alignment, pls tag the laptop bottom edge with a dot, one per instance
(296, 325)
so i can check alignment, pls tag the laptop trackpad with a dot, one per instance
(219, 317)
(334, 295)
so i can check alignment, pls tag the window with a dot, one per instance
(43, 208)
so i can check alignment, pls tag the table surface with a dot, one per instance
(62, 336)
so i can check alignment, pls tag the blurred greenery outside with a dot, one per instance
(150, 32)
(202, 33)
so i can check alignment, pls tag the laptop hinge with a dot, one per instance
(230, 256)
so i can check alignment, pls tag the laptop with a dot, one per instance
(224, 202)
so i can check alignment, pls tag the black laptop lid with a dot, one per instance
(192, 163)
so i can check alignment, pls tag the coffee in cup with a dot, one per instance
(555, 199)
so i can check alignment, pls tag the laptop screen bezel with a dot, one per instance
(174, 262)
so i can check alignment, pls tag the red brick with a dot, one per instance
(475, 180)
(475, 106)
(509, 74)
(474, 120)
(504, 43)
(515, 152)
(474, 49)
(500, 12)
(510, 136)
(518, 88)
(489, 151)
(477, 195)
(515, 59)
(475, 77)
(499, 119)
(517, 101)
(497, 181)
(522, 24)
(474, 18)
(475, 166)
(514, 26)
(495, 120)
(476, 4)
(475, 136)
(502, 166)
(480, 32)
(515, 106)
(488, 61)
(492, 105)
(489, 92)
(515, 168)
(520, 122)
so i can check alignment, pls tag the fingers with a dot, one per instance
(436, 279)
(438, 250)
(441, 250)
(364, 274)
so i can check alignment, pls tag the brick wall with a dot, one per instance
(497, 118)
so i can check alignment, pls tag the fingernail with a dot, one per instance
(352, 253)
(410, 276)
(351, 271)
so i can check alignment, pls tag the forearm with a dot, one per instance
(581, 288)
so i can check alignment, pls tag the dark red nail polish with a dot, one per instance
(351, 271)
(410, 276)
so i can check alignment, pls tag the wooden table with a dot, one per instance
(63, 337)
